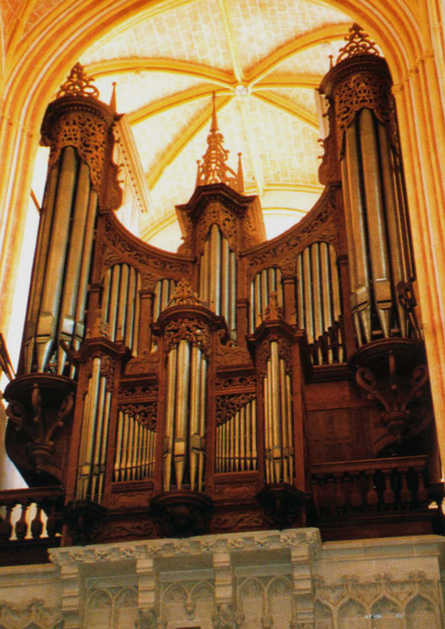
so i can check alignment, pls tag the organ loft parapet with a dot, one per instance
(240, 383)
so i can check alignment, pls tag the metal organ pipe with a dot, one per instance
(265, 282)
(135, 448)
(94, 437)
(318, 298)
(278, 431)
(236, 441)
(217, 277)
(120, 304)
(56, 309)
(362, 109)
(183, 453)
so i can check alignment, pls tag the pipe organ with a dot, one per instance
(240, 383)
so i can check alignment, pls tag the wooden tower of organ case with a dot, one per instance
(238, 384)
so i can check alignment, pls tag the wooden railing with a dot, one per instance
(372, 485)
(30, 522)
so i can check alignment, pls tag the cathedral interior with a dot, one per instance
(221, 362)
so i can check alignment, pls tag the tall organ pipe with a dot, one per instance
(377, 227)
(264, 283)
(121, 304)
(318, 295)
(183, 454)
(278, 432)
(62, 263)
(217, 277)
(94, 437)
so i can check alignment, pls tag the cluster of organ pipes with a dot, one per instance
(265, 282)
(120, 304)
(217, 277)
(56, 306)
(94, 439)
(236, 441)
(318, 296)
(277, 408)
(378, 234)
(135, 449)
(185, 417)
(261, 304)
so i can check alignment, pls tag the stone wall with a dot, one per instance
(270, 580)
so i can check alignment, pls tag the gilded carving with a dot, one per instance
(193, 330)
(126, 246)
(284, 352)
(228, 405)
(238, 522)
(229, 353)
(217, 214)
(78, 83)
(321, 227)
(147, 362)
(144, 412)
(364, 90)
(88, 134)
(148, 390)
(233, 382)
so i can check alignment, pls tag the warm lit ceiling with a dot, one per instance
(263, 58)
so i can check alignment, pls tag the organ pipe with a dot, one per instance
(236, 441)
(376, 220)
(94, 437)
(265, 282)
(217, 277)
(318, 296)
(135, 448)
(278, 432)
(121, 304)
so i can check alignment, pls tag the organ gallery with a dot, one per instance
(239, 384)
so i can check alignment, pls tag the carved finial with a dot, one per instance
(78, 83)
(184, 295)
(113, 97)
(273, 311)
(213, 168)
(357, 43)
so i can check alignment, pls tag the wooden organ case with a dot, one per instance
(238, 384)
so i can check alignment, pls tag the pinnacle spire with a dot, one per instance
(78, 83)
(358, 42)
(213, 167)
(113, 97)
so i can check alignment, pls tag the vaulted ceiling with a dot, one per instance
(264, 60)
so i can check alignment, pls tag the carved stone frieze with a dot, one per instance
(258, 540)
(195, 331)
(367, 593)
(32, 614)
(228, 405)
